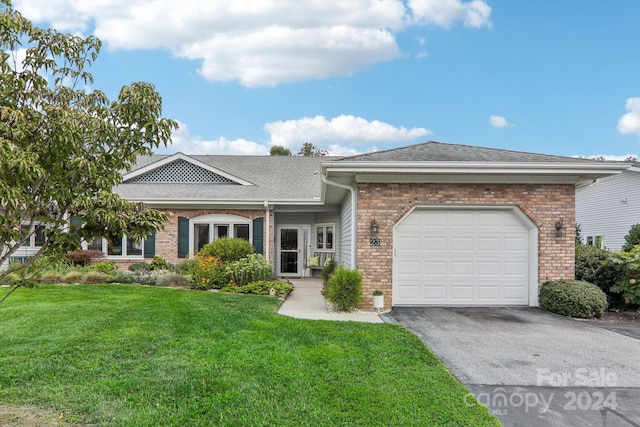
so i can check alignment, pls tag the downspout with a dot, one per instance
(354, 215)
(268, 230)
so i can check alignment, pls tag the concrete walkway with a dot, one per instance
(307, 302)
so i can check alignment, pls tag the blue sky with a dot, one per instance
(556, 77)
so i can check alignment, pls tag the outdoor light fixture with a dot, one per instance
(560, 228)
(374, 227)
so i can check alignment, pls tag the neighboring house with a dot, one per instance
(606, 208)
(429, 224)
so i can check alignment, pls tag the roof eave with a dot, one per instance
(515, 168)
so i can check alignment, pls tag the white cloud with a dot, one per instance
(475, 13)
(630, 122)
(340, 136)
(258, 42)
(499, 122)
(183, 141)
(345, 129)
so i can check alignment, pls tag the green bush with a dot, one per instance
(344, 289)
(158, 263)
(253, 268)
(573, 298)
(50, 277)
(104, 267)
(262, 287)
(227, 250)
(629, 284)
(93, 277)
(72, 277)
(139, 266)
(632, 238)
(595, 265)
(185, 267)
(172, 280)
(328, 269)
(208, 272)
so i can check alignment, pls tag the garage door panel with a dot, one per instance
(461, 244)
(461, 268)
(409, 268)
(488, 268)
(435, 269)
(464, 257)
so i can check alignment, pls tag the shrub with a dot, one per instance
(328, 269)
(632, 238)
(122, 277)
(172, 280)
(72, 277)
(50, 277)
(344, 289)
(208, 273)
(185, 267)
(573, 298)
(262, 287)
(629, 284)
(227, 250)
(158, 263)
(595, 265)
(95, 277)
(84, 257)
(253, 268)
(139, 266)
(378, 293)
(105, 267)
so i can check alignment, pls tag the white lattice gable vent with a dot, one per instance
(181, 169)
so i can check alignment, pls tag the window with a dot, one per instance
(324, 237)
(596, 241)
(208, 228)
(201, 235)
(125, 247)
(95, 244)
(37, 239)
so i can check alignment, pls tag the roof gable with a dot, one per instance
(181, 169)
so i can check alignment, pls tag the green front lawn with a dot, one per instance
(144, 356)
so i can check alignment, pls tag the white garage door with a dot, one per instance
(461, 257)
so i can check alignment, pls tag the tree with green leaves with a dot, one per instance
(310, 150)
(279, 150)
(64, 147)
(632, 238)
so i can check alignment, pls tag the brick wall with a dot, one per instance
(167, 238)
(388, 203)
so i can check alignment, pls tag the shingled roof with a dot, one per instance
(433, 151)
(271, 178)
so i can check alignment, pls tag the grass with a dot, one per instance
(127, 355)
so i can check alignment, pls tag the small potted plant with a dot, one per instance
(378, 299)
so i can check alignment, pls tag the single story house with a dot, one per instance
(607, 208)
(428, 224)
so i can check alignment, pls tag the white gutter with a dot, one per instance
(267, 223)
(354, 215)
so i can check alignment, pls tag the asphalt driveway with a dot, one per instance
(534, 368)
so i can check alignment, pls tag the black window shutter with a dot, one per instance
(258, 235)
(183, 237)
(150, 246)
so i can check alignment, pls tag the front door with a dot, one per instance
(289, 251)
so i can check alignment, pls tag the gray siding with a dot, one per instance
(346, 232)
(609, 207)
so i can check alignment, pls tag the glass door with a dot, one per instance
(289, 251)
